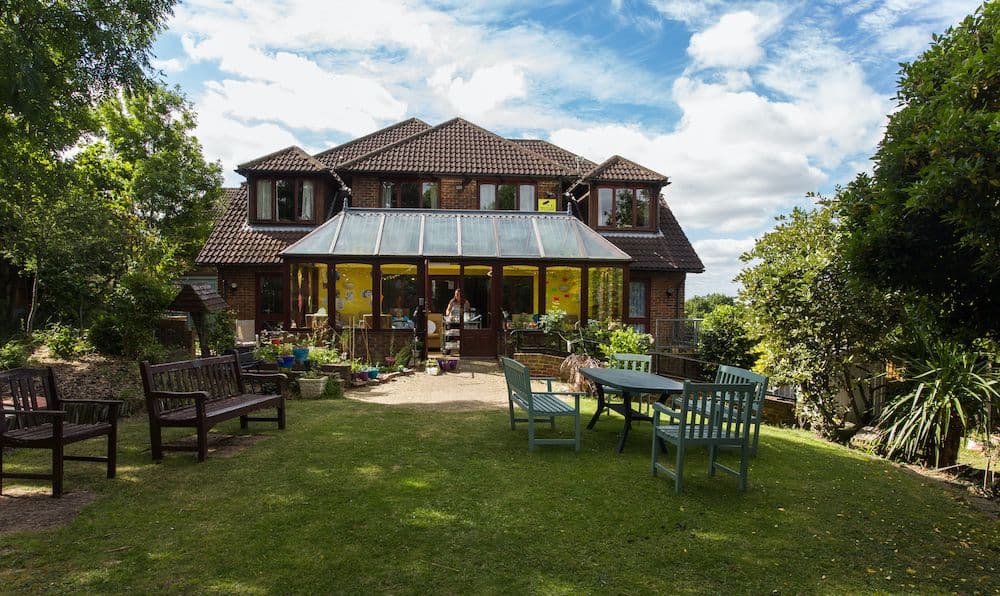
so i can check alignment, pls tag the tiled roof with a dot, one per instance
(233, 242)
(618, 169)
(289, 159)
(461, 148)
(667, 250)
(332, 158)
(576, 163)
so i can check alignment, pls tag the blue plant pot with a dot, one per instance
(372, 373)
(286, 362)
(300, 355)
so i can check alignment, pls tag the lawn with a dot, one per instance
(357, 497)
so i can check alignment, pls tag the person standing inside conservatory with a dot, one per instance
(457, 305)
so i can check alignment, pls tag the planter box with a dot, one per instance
(312, 388)
(341, 370)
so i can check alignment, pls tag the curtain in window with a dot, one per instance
(306, 201)
(387, 195)
(264, 200)
(487, 197)
(527, 197)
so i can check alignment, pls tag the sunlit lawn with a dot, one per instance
(355, 497)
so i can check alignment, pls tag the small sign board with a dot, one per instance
(547, 205)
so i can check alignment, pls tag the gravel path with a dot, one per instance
(476, 385)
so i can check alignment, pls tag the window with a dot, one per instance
(399, 295)
(285, 200)
(562, 291)
(519, 294)
(638, 304)
(624, 207)
(353, 294)
(409, 195)
(507, 197)
(604, 290)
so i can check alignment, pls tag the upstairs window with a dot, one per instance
(623, 208)
(507, 197)
(409, 195)
(285, 200)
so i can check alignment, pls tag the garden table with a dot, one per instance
(630, 383)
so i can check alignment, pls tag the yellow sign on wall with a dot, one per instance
(546, 204)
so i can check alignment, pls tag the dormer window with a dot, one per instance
(422, 194)
(285, 200)
(623, 207)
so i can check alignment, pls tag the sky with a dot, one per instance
(745, 106)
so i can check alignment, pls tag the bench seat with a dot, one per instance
(225, 408)
(43, 433)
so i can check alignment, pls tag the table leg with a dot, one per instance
(600, 405)
(627, 401)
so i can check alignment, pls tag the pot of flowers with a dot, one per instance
(373, 373)
(390, 360)
(285, 359)
(300, 353)
(311, 384)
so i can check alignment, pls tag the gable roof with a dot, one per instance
(234, 242)
(332, 158)
(576, 163)
(289, 159)
(667, 250)
(618, 169)
(457, 147)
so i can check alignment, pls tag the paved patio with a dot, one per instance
(477, 384)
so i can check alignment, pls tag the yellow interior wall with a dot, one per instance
(442, 269)
(354, 293)
(562, 289)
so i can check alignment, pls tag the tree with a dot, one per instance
(725, 338)
(697, 307)
(927, 223)
(815, 330)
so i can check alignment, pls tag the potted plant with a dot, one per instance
(300, 350)
(285, 359)
(311, 384)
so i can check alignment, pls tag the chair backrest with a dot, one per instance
(28, 389)
(518, 380)
(636, 362)
(732, 374)
(722, 411)
(219, 376)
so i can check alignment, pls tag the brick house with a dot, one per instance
(357, 236)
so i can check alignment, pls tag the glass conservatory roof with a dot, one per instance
(452, 233)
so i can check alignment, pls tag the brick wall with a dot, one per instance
(541, 364)
(381, 343)
(365, 192)
(666, 297)
(243, 300)
(453, 198)
(550, 189)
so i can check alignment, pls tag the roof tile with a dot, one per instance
(289, 159)
(618, 169)
(332, 158)
(668, 250)
(576, 163)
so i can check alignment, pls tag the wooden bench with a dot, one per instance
(202, 393)
(34, 417)
(541, 406)
(247, 360)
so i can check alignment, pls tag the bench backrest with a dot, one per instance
(518, 380)
(732, 374)
(219, 376)
(716, 411)
(636, 362)
(25, 390)
(246, 358)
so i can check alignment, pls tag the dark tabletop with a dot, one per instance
(632, 381)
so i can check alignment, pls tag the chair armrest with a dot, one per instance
(662, 409)
(44, 413)
(195, 395)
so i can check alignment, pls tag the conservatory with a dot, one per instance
(370, 269)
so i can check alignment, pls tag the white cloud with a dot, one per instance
(734, 41)
(722, 264)
(168, 66)
(486, 89)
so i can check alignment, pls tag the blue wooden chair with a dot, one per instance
(636, 362)
(732, 374)
(688, 426)
(540, 406)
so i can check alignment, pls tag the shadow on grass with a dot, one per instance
(360, 497)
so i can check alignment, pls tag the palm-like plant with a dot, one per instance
(950, 392)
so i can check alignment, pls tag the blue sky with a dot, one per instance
(746, 106)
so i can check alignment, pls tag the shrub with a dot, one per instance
(333, 389)
(553, 320)
(128, 327)
(725, 338)
(627, 341)
(220, 331)
(948, 392)
(62, 340)
(322, 356)
(13, 354)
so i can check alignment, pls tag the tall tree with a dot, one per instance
(927, 222)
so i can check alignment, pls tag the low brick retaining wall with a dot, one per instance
(778, 412)
(545, 365)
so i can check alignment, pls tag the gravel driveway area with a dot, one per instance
(477, 384)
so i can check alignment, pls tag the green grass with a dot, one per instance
(356, 497)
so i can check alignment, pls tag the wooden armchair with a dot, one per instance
(35, 418)
(728, 425)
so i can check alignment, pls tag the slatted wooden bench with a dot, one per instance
(34, 417)
(248, 362)
(202, 393)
